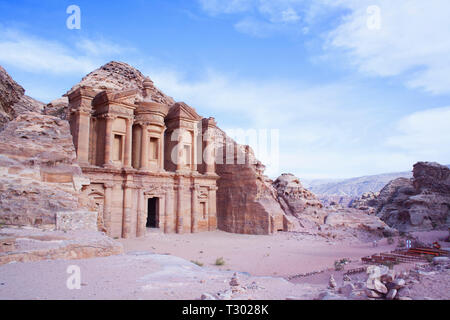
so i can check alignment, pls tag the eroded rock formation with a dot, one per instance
(420, 203)
(298, 201)
(13, 100)
(39, 176)
(246, 200)
(311, 215)
(368, 202)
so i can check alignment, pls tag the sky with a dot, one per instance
(351, 87)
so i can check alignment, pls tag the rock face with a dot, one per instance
(119, 76)
(422, 203)
(368, 202)
(246, 200)
(298, 201)
(357, 219)
(38, 173)
(13, 101)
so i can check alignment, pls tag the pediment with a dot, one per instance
(181, 110)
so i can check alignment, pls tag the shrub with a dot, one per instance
(390, 240)
(197, 263)
(220, 261)
(339, 264)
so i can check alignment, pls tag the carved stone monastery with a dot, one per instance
(132, 159)
(141, 159)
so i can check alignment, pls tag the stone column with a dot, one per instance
(128, 143)
(83, 137)
(107, 216)
(169, 219)
(108, 140)
(194, 208)
(180, 151)
(141, 223)
(180, 191)
(127, 209)
(194, 150)
(161, 151)
(212, 208)
(209, 154)
(144, 147)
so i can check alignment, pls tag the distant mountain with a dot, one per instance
(353, 187)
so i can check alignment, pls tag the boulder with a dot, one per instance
(373, 294)
(298, 201)
(347, 289)
(332, 283)
(376, 285)
(417, 204)
(391, 294)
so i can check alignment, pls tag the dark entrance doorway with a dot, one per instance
(153, 213)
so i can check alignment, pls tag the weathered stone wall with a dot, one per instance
(38, 173)
(76, 220)
(422, 203)
(246, 200)
(13, 100)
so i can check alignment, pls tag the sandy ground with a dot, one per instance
(158, 267)
(283, 254)
(139, 275)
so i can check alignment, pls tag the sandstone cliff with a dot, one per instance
(312, 216)
(13, 100)
(420, 203)
(38, 173)
(298, 201)
(246, 200)
(368, 202)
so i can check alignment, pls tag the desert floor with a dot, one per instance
(283, 254)
(158, 267)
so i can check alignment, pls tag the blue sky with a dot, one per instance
(354, 87)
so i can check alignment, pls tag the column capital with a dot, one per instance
(107, 185)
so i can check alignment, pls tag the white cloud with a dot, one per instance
(98, 47)
(34, 54)
(424, 135)
(261, 18)
(413, 41)
(332, 137)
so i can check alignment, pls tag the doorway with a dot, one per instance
(153, 213)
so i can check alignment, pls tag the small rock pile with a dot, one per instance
(236, 291)
(385, 283)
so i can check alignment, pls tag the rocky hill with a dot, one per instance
(13, 100)
(420, 203)
(353, 187)
(312, 216)
(345, 191)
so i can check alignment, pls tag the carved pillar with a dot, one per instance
(209, 153)
(212, 208)
(194, 208)
(194, 150)
(107, 216)
(141, 221)
(180, 191)
(128, 143)
(128, 189)
(161, 151)
(144, 147)
(180, 151)
(169, 218)
(83, 137)
(108, 140)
